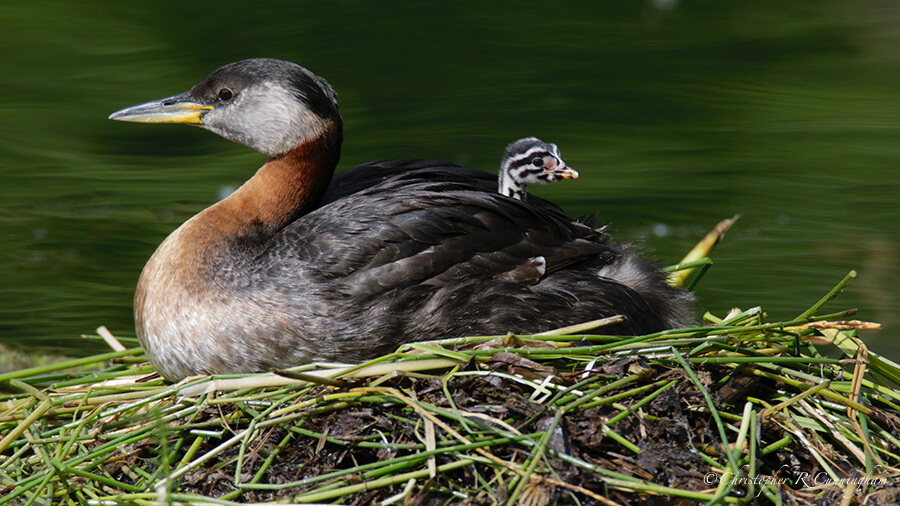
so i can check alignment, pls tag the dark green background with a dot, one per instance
(676, 113)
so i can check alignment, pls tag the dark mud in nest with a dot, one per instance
(673, 432)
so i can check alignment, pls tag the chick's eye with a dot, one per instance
(225, 94)
(538, 162)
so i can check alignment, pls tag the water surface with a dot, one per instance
(676, 115)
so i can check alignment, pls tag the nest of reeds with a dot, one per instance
(741, 410)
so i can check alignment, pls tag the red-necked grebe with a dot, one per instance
(295, 266)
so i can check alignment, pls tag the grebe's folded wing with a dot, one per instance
(405, 232)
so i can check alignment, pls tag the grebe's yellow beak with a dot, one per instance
(177, 109)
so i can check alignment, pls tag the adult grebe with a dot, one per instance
(295, 267)
(530, 161)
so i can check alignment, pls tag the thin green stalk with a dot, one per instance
(828, 296)
(246, 441)
(23, 426)
(62, 468)
(824, 392)
(602, 390)
(67, 364)
(738, 448)
(446, 388)
(697, 277)
(624, 395)
(627, 411)
(751, 455)
(762, 360)
(567, 394)
(796, 398)
(706, 261)
(615, 436)
(383, 482)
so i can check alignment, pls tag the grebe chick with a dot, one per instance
(530, 161)
(295, 266)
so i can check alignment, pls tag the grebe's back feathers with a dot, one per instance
(425, 227)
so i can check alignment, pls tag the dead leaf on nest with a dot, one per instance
(626, 366)
(516, 364)
(538, 492)
(514, 341)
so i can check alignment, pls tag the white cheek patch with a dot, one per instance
(267, 118)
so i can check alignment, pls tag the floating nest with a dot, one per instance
(739, 411)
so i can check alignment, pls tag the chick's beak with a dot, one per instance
(565, 172)
(177, 109)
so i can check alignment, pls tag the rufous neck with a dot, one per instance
(286, 187)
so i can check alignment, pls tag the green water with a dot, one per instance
(676, 114)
